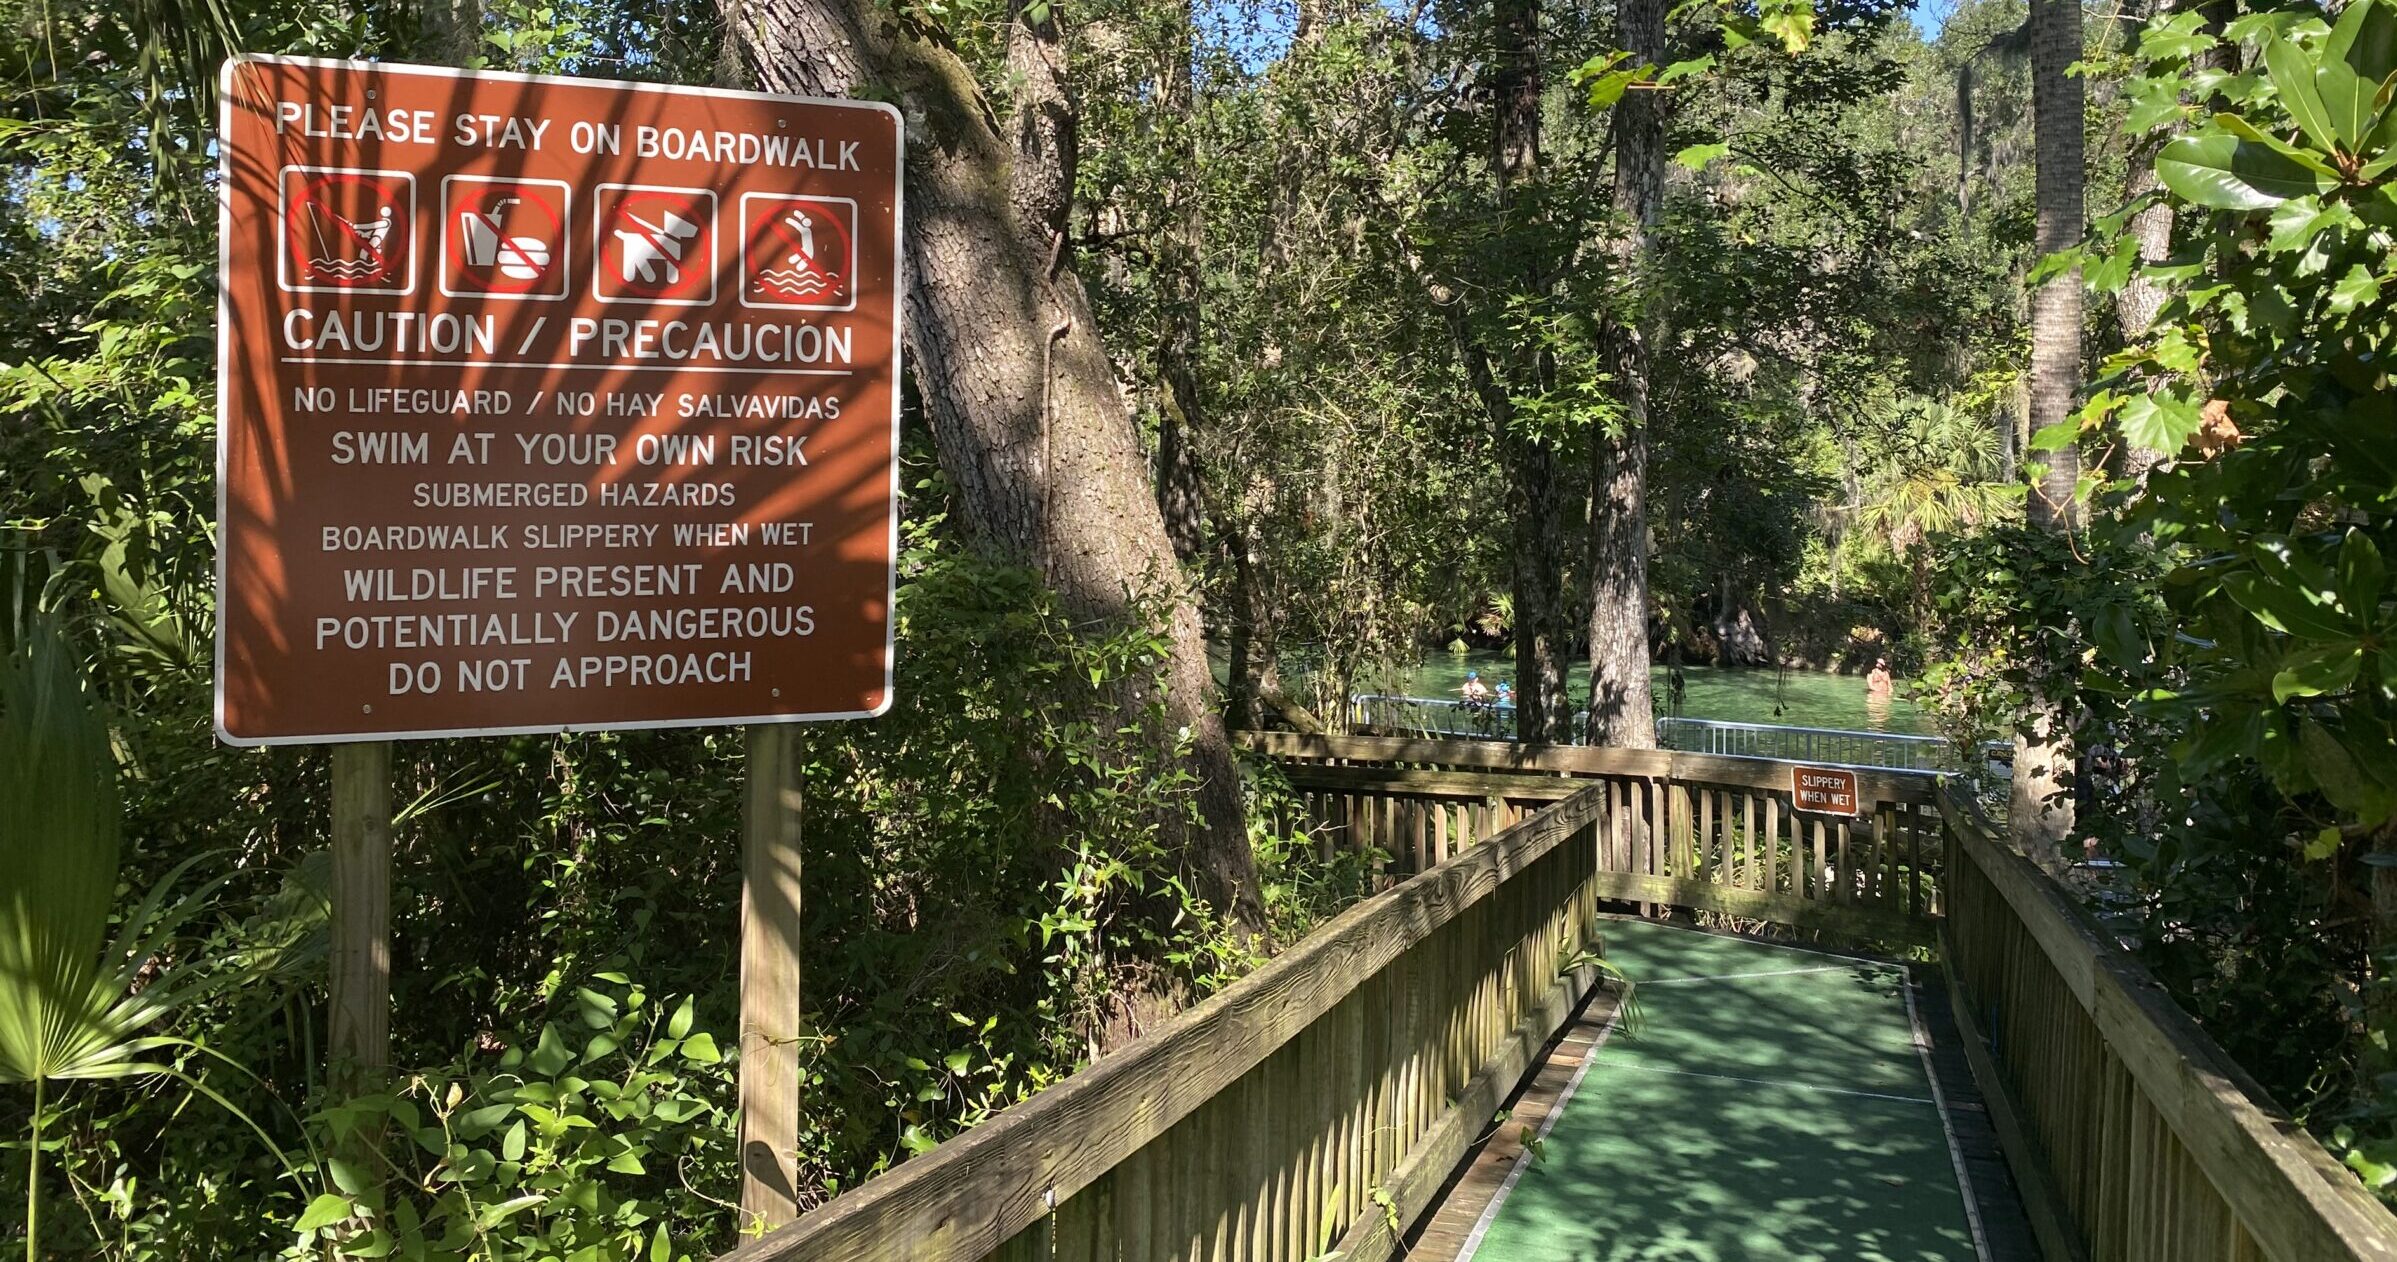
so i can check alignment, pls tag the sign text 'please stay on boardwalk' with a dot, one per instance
(550, 403)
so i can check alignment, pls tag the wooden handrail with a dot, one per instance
(975, 1193)
(2265, 1180)
(1703, 831)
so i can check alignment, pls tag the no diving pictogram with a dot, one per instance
(798, 252)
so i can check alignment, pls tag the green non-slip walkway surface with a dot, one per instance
(1765, 1102)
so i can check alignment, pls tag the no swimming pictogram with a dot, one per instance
(798, 252)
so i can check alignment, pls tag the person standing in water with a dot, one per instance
(1877, 682)
(1475, 690)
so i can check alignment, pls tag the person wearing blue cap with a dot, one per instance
(1475, 690)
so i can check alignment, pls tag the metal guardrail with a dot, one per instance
(1894, 751)
(1438, 716)
(1847, 747)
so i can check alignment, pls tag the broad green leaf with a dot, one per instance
(476, 1123)
(327, 1209)
(2317, 670)
(2297, 221)
(1599, 64)
(679, 1024)
(2324, 845)
(2227, 172)
(2278, 609)
(1696, 157)
(2317, 163)
(347, 1176)
(2348, 98)
(2113, 271)
(2365, 40)
(2160, 423)
(1684, 69)
(2153, 103)
(701, 1047)
(2333, 767)
(2362, 576)
(1608, 88)
(2359, 287)
(2176, 37)
(1790, 21)
(550, 1056)
(2293, 75)
(2056, 437)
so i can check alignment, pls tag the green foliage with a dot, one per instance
(2274, 341)
(592, 1144)
(75, 1005)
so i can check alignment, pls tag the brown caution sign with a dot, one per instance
(550, 403)
(1829, 790)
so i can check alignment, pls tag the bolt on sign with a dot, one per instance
(1828, 790)
(550, 404)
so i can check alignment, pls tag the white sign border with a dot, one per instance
(224, 229)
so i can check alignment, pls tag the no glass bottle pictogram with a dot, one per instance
(798, 252)
(347, 230)
(504, 238)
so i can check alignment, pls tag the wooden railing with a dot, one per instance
(1294, 1116)
(1703, 831)
(2130, 1132)
(1314, 1108)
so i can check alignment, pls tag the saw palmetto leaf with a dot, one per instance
(73, 1001)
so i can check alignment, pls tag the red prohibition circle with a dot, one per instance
(531, 198)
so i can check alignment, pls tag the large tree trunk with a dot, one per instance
(1179, 492)
(2041, 806)
(1543, 713)
(1622, 705)
(1045, 461)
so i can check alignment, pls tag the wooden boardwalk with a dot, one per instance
(1762, 1100)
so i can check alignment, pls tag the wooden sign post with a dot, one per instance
(359, 992)
(770, 977)
(555, 405)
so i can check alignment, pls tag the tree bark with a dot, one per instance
(449, 32)
(1180, 494)
(1542, 710)
(1622, 704)
(2041, 807)
(1029, 426)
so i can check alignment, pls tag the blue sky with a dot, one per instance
(1262, 27)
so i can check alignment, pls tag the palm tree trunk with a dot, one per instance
(2041, 807)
